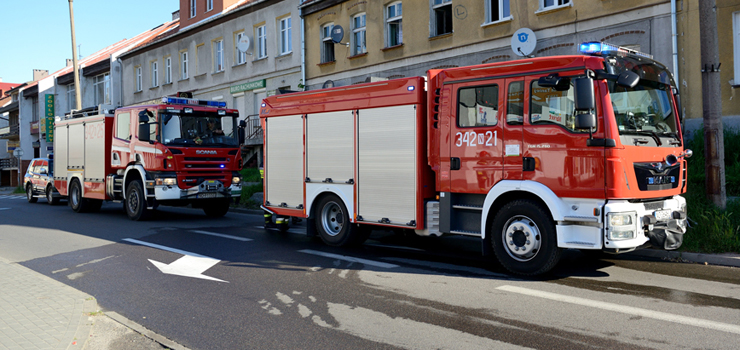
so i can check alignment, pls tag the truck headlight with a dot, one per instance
(236, 180)
(167, 181)
(622, 226)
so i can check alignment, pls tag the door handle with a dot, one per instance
(454, 163)
(528, 164)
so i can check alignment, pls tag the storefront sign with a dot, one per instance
(13, 145)
(49, 120)
(252, 85)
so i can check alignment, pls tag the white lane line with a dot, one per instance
(394, 247)
(657, 315)
(4, 208)
(161, 247)
(243, 239)
(349, 258)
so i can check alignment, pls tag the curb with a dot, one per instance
(725, 259)
(143, 331)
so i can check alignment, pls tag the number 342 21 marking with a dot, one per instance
(472, 139)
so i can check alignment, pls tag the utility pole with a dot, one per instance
(78, 96)
(714, 144)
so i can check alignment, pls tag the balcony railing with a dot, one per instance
(8, 163)
(9, 131)
(253, 131)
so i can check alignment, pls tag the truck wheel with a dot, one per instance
(333, 225)
(50, 196)
(29, 194)
(523, 238)
(76, 201)
(135, 203)
(218, 208)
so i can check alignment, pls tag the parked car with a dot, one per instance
(39, 181)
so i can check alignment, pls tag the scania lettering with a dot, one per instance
(531, 156)
(180, 152)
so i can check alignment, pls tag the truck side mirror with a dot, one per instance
(585, 121)
(144, 131)
(242, 123)
(241, 136)
(584, 94)
(144, 116)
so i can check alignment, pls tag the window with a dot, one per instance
(549, 106)
(241, 57)
(477, 106)
(193, 8)
(515, 104)
(155, 73)
(441, 17)
(201, 61)
(218, 56)
(736, 41)
(327, 47)
(393, 25)
(261, 42)
(358, 35)
(71, 99)
(286, 45)
(138, 79)
(548, 4)
(209, 5)
(35, 109)
(497, 10)
(101, 87)
(168, 70)
(123, 126)
(183, 65)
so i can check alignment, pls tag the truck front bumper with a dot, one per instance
(206, 190)
(660, 224)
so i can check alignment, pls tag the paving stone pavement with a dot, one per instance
(37, 312)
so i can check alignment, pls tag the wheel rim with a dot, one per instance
(332, 218)
(133, 201)
(48, 195)
(522, 238)
(29, 193)
(75, 196)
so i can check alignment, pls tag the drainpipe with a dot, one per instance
(303, 53)
(120, 77)
(674, 35)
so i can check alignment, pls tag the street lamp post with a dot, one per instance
(78, 97)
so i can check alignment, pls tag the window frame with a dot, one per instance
(556, 4)
(286, 34)
(168, 70)
(193, 8)
(154, 69)
(736, 46)
(218, 55)
(35, 108)
(139, 78)
(397, 19)
(209, 5)
(118, 119)
(498, 105)
(239, 57)
(106, 88)
(184, 70)
(261, 35)
(71, 98)
(501, 4)
(362, 31)
(564, 125)
(433, 21)
(327, 44)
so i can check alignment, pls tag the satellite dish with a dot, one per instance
(523, 42)
(328, 84)
(337, 34)
(243, 44)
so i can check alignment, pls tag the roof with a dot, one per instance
(5, 87)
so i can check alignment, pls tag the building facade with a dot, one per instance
(234, 51)
(9, 136)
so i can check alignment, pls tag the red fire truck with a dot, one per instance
(182, 151)
(532, 156)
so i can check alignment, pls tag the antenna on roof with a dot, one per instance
(79, 52)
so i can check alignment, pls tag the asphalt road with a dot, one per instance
(254, 289)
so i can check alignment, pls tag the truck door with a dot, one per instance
(476, 150)
(512, 142)
(561, 159)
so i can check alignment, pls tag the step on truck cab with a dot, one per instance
(179, 152)
(531, 156)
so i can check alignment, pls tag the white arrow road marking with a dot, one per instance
(349, 258)
(190, 265)
(243, 239)
(657, 315)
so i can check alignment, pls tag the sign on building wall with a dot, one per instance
(13, 145)
(252, 85)
(49, 120)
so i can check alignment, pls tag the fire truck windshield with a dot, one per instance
(201, 129)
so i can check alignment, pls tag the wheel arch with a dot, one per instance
(133, 172)
(316, 193)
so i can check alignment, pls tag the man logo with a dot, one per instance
(200, 151)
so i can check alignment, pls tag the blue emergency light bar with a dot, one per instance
(601, 48)
(192, 101)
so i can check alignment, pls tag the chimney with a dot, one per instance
(176, 15)
(39, 74)
(1, 80)
(69, 62)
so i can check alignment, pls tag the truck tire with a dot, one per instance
(29, 194)
(135, 203)
(333, 225)
(523, 238)
(217, 208)
(78, 204)
(50, 199)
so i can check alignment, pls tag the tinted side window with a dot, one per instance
(477, 106)
(549, 106)
(123, 126)
(515, 104)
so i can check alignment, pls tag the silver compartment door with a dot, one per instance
(387, 164)
(330, 147)
(284, 161)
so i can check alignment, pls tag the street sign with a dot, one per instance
(18, 152)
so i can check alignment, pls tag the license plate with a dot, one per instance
(662, 215)
(207, 195)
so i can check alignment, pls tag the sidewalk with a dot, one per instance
(37, 312)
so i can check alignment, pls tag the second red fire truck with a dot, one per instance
(532, 156)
